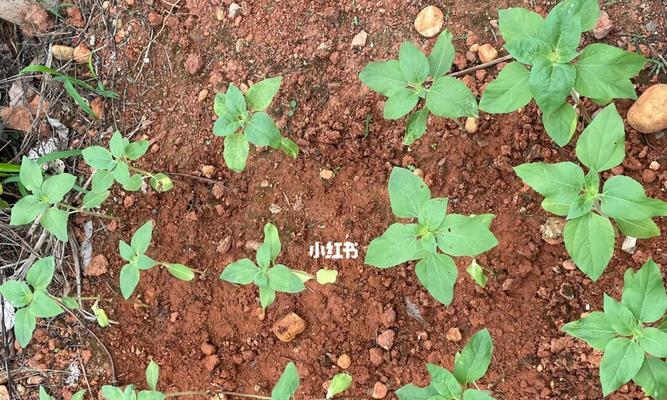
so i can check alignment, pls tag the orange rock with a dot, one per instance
(81, 53)
(18, 118)
(289, 327)
(98, 265)
(649, 113)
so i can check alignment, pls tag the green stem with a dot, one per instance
(580, 106)
(141, 171)
(82, 211)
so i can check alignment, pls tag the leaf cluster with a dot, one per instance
(33, 301)
(137, 261)
(634, 343)
(268, 276)
(242, 120)
(550, 47)
(130, 393)
(115, 164)
(415, 78)
(469, 365)
(589, 235)
(433, 240)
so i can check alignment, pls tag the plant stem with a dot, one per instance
(141, 171)
(82, 211)
(580, 106)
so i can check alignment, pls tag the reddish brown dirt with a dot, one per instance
(529, 295)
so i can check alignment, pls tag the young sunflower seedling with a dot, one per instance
(45, 201)
(137, 261)
(243, 120)
(432, 240)
(589, 235)
(557, 68)
(116, 164)
(44, 395)
(632, 333)
(268, 276)
(469, 365)
(338, 384)
(415, 78)
(34, 301)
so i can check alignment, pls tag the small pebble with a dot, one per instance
(471, 125)
(487, 53)
(453, 335)
(344, 361)
(386, 339)
(429, 21)
(326, 174)
(359, 40)
(380, 390)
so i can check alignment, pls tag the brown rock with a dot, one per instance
(224, 245)
(128, 201)
(359, 40)
(326, 174)
(98, 265)
(375, 356)
(379, 390)
(97, 105)
(649, 113)
(386, 339)
(62, 53)
(81, 53)
(287, 328)
(429, 21)
(569, 265)
(211, 361)
(487, 53)
(344, 361)
(75, 17)
(453, 335)
(193, 64)
(552, 230)
(654, 165)
(18, 118)
(471, 125)
(208, 171)
(648, 176)
(207, 348)
(389, 315)
(218, 191)
(37, 19)
(154, 19)
(603, 26)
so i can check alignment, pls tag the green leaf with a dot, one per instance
(234, 100)
(266, 296)
(654, 342)
(26, 210)
(16, 292)
(384, 77)
(94, 199)
(145, 263)
(151, 395)
(461, 235)
(117, 145)
(43, 395)
(242, 272)
(236, 152)
(400, 103)
(260, 95)
(98, 157)
(640, 229)
(24, 325)
(30, 174)
(433, 213)
(180, 271)
(561, 124)
(287, 385)
(551, 84)
(226, 125)
(442, 55)
(44, 306)
(652, 377)
(282, 279)
(559, 183)
(444, 382)
(474, 394)
(161, 182)
(325, 276)
(136, 150)
(587, 10)
(416, 126)
(519, 23)
(102, 180)
(122, 175)
(582, 205)
(54, 188)
(111, 393)
(54, 220)
(477, 273)
(339, 383)
(219, 107)
(412, 392)
(645, 294)
(413, 63)
(272, 239)
(593, 329)
(528, 50)
(129, 278)
(126, 251)
(395, 246)
(602, 144)
(129, 393)
(620, 362)
(449, 97)
(509, 91)
(620, 317)
(590, 242)
(289, 147)
(142, 237)
(437, 272)
(263, 256)
(624, 197)
(603, 71)
(78, 99)
(407, 193)
(262, 131)
(473, 361)
(41, 272)
(78, 395)
(563, 32)
(100, 315)
(152, 375)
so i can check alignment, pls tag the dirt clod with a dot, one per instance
(211, 361)
(208, 171)
(379, 390)
(207, 348)
(429, 21)
(326, 174)
(359, 40)
(487, 53)
(289, 327)
(98, 265)
(453, 335)
(386, 339)
(375, 356)
(193, 64)
(603, 26)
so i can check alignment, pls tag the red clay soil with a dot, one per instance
(338, 125)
